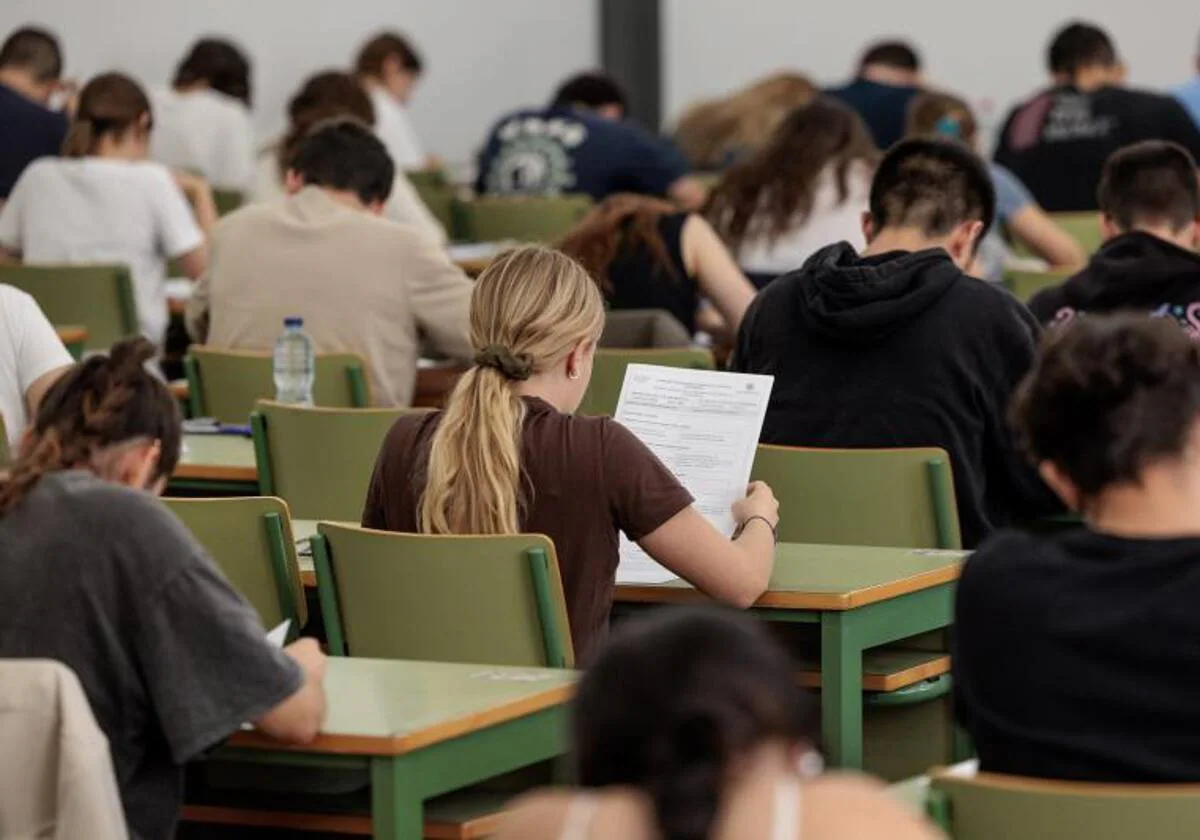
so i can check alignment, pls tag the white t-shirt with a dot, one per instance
(395, 129)
(29, 349)
(97, 210)
(831, 220)
(206, 132)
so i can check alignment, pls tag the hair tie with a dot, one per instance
(498, 357)
(948, 126)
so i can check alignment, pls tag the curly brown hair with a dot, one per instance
(622, 221)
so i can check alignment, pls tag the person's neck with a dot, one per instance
(1163, 503)
(193, 87)
(346, 198)
(900, 239)
(543, 387)
(1091, 79)
(1185, 239)
(23, 83)
(883, 75)
(122, 149)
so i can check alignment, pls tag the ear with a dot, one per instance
(962, 242)
(139, 464)
(868, 226)
(1062, 486)
(1108, 228)
(293, 182)
(577, 359)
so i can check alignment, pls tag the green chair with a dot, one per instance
(1084, 228)
(319, 460)
(608, 373)
(225, 384)
(640, 329)
(884, 497)
(97, 297)
(251, 540)
(493, 600)
(1025, 284)
(522, 218)
(227, 201)
(437, 193)
(994, 807)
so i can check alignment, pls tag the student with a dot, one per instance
(363, 284)
(30, 69)
(389, 68)
(95, 573)
(718, 132)
(933, 114)
(690, 726)
(1057, 142)
(1075, 653)
(327, 96)
(806, 189)
(103, 202)
(648, 255)
(898, 347)
(32, 358)
(889, 76)
(582, 143)
(1150, 206)
(1188, 93)
(202, 122)
(506, 455)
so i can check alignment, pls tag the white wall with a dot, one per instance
(482, 56)
(990, 51)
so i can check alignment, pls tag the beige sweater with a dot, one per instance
(363, 284)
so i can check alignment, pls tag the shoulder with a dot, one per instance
(45, 168)
(152, 176)
(849, 805)
(408, 430)
(992, 303)
(997, 558)
(129, 516)
(17, 302)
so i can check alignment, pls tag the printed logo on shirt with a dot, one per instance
(536, 155)
(1188, 317)
(1071, 119)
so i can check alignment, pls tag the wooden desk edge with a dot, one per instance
(211, 472)
(397, 745)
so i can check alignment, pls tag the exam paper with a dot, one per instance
(704, 425)
(278, 635)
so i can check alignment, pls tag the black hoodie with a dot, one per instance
(899, 349)
(1134, 271)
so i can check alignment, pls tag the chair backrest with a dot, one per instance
(97, 297)
(1084, 228)
(4, 457)
(1026, 284)
(228, 200)
(993, 807)
(608, 373)
(319, 459)
(493, 600)
(639, 329)
(251, 540)
(226, 384)
(884, 497)
(522, 218)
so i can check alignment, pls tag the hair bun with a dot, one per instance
(130, 354)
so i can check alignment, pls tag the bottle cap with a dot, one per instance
(293, 321)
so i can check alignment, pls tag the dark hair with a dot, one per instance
(620, 223)
(110, 104)
(779, 183)
(935, 114)
(346, 155)
(932, 185)
(35, 50)
(1152, 182)
(103, 401)
(674, 699)
(1108, 395)
(383, 46)
(591, 91)
(897, 54)
(1078, 45)
(220, 64)
(325, 96)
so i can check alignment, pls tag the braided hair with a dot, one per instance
(103, 402)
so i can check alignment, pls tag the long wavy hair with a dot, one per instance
(618, 224)
(529, 309)
(773, 191)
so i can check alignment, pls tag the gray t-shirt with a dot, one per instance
(106, 580)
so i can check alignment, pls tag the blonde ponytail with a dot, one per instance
(529, 309)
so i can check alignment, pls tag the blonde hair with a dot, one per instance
(529, 309)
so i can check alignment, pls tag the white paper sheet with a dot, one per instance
(278, 635)
(704, 425)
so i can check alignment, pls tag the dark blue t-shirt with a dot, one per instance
(884, 108)
(27, 131)
(563, 150)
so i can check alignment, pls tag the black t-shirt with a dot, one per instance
(28, 131)
(105, 580)
(884, 108)
(1057, 142)
(1077, 656)
(641, 281)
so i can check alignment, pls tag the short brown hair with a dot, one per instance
(110, 104)
(326, 96)
(35, 50)
(387, 45)
(935, 114)
(1152, 182)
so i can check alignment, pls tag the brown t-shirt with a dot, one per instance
(588, 478)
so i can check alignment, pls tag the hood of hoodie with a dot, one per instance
(860, 300)
(1135, 269)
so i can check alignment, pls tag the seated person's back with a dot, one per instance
(30, 66)
(98, 575)
(32, 357)
(363, 284)
(1075, 653)
(898, 347)
(1057, 142)
(889, 76)
(582, 143)
(1150, 206)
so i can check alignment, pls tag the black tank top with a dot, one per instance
(640, 281)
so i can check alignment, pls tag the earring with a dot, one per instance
(572, 374)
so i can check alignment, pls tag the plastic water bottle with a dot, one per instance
(295, 364)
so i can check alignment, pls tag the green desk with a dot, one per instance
(215, 465)
(74, 339)
(425, 729)
(861, 598)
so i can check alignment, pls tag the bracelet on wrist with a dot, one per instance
(773, 526)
